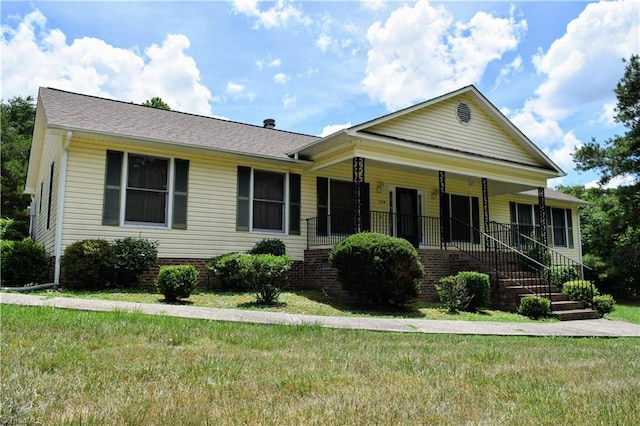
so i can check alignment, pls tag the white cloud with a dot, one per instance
(332, 128)
(589, 55)
(34, 55)
(281, 14)
(238, 91)
(269, 63)
(581, 68)
(374, 5)
(289, 101)
(323, 42)
(507, 70)
(622, 180)
(281, 78)
(419, 52)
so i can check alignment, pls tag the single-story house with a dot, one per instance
(452, 175)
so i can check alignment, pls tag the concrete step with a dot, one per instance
(575, 314)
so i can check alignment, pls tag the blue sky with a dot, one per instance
(549, 66)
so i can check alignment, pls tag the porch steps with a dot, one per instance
(562, 307)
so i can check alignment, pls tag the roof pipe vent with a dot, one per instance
(269, 123)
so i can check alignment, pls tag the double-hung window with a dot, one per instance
(525, 220)
(268, 201)
(145, 190)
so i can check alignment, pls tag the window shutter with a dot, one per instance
(475, 219)
(243, 202)
(294, 204)
(112, 184)
(569, 229)
(180, 189)
(514, 216)
(322, 187)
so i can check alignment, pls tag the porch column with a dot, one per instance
(485, 211)
(543, 217)
(444, 219)
(358, 184)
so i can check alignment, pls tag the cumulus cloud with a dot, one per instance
(238, 91)
(269, 63)
(374, 5)
(581, 68)
(420, 52)
(332, 128)
(281, 14)
(622, 180)
(280, 78)
(34, 55)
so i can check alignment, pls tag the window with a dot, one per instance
(263, 200)
(335, 206)
(149, 183)
(268, 201)
(525, 219)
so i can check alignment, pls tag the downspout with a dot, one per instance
(60, 217)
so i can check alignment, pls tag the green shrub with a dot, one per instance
(88, 264)
(267, 276)
(535, 307)
(560, 274)
(23, 262)
(537, 257)
(231, 271)
(452, 291)
(478, 289)
(133, 257)
(176, 281)
(269, 246)
(603, 304)
(13, 230)
(378, 269)
(581, 290)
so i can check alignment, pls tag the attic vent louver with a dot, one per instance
(464, 112)
(269, 123)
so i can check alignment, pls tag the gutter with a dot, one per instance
(60, 217)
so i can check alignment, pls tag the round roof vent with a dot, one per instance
(464, 112)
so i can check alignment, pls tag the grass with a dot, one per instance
(629, 312)
(298, 302)
(71, 367)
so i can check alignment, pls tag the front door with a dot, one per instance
(407, 218)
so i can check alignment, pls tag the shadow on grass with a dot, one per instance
(261, 305)
(178, 302)
(352, 306)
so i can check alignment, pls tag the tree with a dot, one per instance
(157, 102)
(18, 117)
(611, 224)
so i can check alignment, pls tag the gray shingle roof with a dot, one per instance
(91, 114)
(552, 194)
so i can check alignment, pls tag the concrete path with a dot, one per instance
(581, 328)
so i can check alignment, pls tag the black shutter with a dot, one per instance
(294, 204)
(322, 192)
(244, 194)
(180, 189)
(569, 229)
(112, 184)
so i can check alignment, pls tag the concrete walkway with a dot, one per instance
(581, 328)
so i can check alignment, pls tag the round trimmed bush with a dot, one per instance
(23, 262)
(176, 281)
(133, 257)
(560, 274)
(267, 275)
(603, 304)
(535, 307)
(378, 269)
(581, 290)
(272, 246)
(88, 264)
(478, 289)
(231, 271)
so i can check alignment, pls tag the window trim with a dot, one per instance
(285, 202)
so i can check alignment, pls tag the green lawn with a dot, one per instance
(71, 367)
(298, 302)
